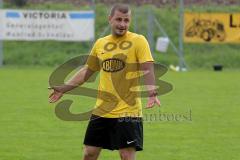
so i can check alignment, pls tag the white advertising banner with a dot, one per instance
(33, 25)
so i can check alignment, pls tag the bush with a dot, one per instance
(19, 3)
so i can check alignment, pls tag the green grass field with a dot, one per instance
(30, 130)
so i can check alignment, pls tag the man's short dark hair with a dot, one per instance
(123, 8)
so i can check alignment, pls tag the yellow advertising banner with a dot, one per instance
(212, 27)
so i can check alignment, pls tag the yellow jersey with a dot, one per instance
(117, 59)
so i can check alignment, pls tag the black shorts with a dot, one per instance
(115, 133)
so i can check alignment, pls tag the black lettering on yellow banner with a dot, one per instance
(212, 27)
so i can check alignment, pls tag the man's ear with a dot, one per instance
(109, 19)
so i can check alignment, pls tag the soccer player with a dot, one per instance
(116, 124)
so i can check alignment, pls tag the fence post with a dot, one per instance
(182, 64)
(1, 43)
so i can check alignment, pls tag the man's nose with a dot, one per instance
(122, 24)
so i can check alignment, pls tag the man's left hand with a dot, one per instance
(152, 101)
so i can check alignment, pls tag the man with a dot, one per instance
(116, 124)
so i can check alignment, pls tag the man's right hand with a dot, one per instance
(55, 96)
(79, 78)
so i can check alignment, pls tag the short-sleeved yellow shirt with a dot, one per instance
(117, 59)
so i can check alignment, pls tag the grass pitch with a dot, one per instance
(30, 130)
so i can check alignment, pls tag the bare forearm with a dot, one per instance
(78, 79)
(149, 77)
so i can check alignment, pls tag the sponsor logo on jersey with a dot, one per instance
(113, 65)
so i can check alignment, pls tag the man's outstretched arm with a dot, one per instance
(78, 79)
(149, 80)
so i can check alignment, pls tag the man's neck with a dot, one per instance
(119, 36)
